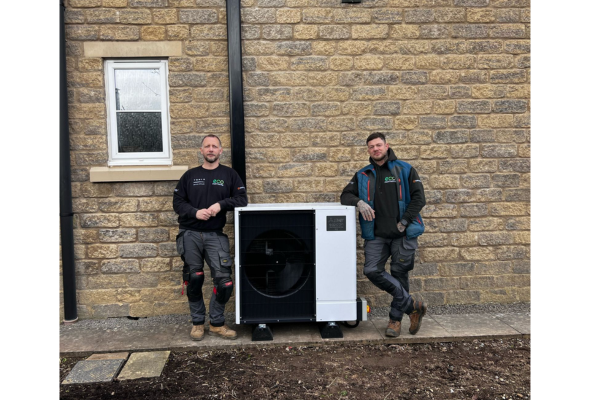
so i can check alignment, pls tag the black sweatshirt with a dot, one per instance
(200, 188)
(386, 199)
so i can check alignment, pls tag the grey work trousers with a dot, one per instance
(396, 283)
(194, 248)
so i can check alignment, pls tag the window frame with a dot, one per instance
(137, 158)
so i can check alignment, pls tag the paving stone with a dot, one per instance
(72, 340)
(144, 365)
(109, 356)
(88, 371)
(520, 322)
(475, 325)
(429, 329)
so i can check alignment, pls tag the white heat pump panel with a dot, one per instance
(335, 263)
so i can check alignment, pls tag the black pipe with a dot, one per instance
(66, 214)
(236, 95)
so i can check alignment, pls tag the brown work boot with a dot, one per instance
(198, 332)
(417, 314)
(222, 331)
(393, 328)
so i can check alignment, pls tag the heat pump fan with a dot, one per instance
(296, 263)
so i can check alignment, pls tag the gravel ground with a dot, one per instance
(113, 323)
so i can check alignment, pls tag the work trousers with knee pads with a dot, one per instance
(396, 283)
(213, 247)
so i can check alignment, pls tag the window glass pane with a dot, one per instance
(137, 89)
(139, 132)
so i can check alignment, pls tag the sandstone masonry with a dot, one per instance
(447, 81)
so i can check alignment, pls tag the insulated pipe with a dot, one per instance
(236, 96)
(65, 185)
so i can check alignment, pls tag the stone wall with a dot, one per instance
(447, 81)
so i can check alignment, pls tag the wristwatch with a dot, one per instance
(404, 222)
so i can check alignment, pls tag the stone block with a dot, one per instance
(470, 31)
(451, 136)
(474, 106)
(138, 250)
(304, 32)
(317, 16)
(498, 150)
(474, 210)
(288, 16)
(368, 62)
(432, 122)
(102, 251)
(119, 266)
(369, 31)
(476, 181)
(337, 32)
(155, 265)
(510, 106)
(414, 77)
(508, 76)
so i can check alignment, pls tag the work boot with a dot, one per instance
(223, 332)
(393, 328)
(198, 332)
(417, 314)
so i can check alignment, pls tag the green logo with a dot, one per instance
(389, 179)
(218, 182)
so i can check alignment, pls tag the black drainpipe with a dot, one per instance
(236, 96)
(65, 185)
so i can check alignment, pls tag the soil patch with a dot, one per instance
(474, 370)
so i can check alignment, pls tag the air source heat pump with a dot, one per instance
(296, 262)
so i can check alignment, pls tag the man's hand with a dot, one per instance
(366, 210)
(204, 214)
(401, 227)
(214, 209)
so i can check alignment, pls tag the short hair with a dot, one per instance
(376, 135)
(213, 136)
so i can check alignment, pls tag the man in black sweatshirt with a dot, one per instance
(389, 196)
(201, 199)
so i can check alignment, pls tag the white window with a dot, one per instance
(137, 112)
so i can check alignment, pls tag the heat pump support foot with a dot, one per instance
(331, 330)
(261, 332)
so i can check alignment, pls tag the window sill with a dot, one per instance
(137, 174)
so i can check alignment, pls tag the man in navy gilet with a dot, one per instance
(389, 195)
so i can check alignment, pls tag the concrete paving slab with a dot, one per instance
(429, 330)
(520, 322)
(144, 365)
(476, 326)
(109, 356)
(88, 371)
(72, 340)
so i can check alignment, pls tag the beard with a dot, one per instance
(211, 158)
(380, 158)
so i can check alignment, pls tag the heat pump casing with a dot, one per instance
(327, 231)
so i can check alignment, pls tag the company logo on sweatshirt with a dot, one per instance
(218, 182)
(389, 179)
(198, 182)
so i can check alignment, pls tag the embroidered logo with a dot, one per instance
(389, 179)
(218, 182)
(198, 181)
